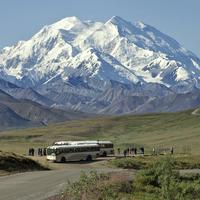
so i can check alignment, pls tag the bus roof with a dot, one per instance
(82, 142)
(73, 146)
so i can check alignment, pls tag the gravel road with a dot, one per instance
(40, 185)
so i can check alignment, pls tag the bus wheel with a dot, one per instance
(63, 160)
(104, 154)
(89, 158)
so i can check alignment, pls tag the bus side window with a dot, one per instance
(77, 149)
(66, 150)
(109, 145)
(88, 149)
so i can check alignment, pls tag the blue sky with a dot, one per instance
(20, 19)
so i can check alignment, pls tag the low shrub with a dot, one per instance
(130, 163)
(180, 162)
(158, 182)
(165, 183)
(99, 187)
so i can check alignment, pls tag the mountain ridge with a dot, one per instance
(15, 113)
(81, 65)
(77, 47)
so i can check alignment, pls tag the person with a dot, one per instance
(32, 151)
(44, 151)
(172, 150)
(154, 151)
(41, 152)
(29, 152)
(118, 150)
(125, 152)
(135, 151)
(142, 150)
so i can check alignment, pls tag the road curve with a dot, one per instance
(39, 185)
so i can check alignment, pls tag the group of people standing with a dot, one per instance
(163, 151)
(40, 152)
(31, 152)
(131, 151)
(135, 151)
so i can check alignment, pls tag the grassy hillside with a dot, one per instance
(181, 130)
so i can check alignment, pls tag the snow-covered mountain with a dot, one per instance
(88, 66)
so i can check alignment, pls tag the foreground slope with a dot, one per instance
(11, 162)
(181, 130)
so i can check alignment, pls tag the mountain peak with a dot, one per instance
(125, 48)
(72, 19)
(116, 20)
(67, 23)
(83, 65)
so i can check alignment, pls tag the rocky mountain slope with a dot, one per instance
(23, 113)
(114, 67)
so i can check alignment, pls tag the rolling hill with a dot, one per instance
(180, 130)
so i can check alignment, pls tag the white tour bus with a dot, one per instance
(63, 153)
(106, 147)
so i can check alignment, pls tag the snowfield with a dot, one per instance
(116, 50)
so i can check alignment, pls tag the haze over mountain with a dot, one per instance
(114, 67)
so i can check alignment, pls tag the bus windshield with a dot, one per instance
(51, 151)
